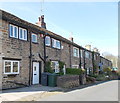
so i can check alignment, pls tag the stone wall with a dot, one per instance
(15, 49)
(68, 81)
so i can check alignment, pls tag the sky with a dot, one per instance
(94, 23)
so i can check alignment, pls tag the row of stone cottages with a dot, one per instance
(25, 48)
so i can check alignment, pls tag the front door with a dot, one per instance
(35, 72)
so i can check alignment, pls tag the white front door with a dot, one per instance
(35, 73)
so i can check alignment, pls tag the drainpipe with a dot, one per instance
(80, 58)
(44, 54)
(93, 62)
(84, 62)
(30, 61)
(70, 56)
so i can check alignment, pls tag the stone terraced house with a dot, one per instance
(25, 48)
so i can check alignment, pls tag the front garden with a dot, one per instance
(74, 77)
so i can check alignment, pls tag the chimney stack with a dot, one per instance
(41, 22)
(71, 39)
(95, 50)
(88, 47)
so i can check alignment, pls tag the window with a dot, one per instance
(81, 53)
(34, 38)
(22, 34)
(13, 31)
(11, 67)
(94, 57)
(55, 66)
(87, 54)
(47, 41)
(56, 44)
(75, 52)
(75, 66)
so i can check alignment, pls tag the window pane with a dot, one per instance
(25, 34)
(21, 34)
(7, 67)
(47, 41)
(34, 38)
(53, 43)
(58, 44)
(11, 31)
(15, 66)
(15, 32)
(53, 65)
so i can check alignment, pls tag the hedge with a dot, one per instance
(73, 71)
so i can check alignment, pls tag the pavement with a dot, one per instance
(106, 91)
(31, 93)
(101, 91)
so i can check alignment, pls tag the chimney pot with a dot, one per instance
(41, 22)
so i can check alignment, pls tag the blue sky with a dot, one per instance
(94, 23)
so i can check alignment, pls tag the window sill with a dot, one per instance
(18, 39)
(35, 42)
(12, 75)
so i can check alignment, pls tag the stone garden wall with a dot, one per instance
(68, 81)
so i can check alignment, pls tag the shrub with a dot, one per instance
(107, 70)
(93, 75)
(74, 71)
(61, 66)
(90, 79)
(101, 77)
(48, 67)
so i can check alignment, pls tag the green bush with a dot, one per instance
(107, 70)
(48, 67)
(61, 66)
(93, 75)
(73, 71)
(101, 77)
(90, 79)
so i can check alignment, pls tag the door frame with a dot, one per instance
(40, 68)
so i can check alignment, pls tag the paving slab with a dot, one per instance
(28, 93)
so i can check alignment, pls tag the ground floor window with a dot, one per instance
(11, 67)
(55, 66)
(75, 66)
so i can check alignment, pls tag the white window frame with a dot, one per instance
(54, 43)
(12, 67)
(77, 55)
(47, 38)
(59, 44)
(57, 70)
(13, 31)
(23, 34)
(77, 66)
(36, 37)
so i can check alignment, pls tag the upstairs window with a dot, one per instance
(81, 53)
(56, 44)
(22, 34)
(47, 41)
(34, 38)
(13, 31)
(75, 52)
(87, 55)
(11, 67)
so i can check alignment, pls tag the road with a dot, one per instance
(107, 91)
